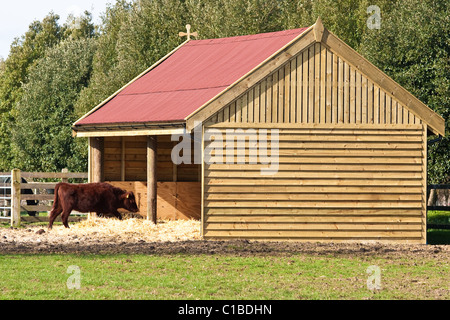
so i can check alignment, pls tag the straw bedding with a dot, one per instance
(104, 230)
(134, 229)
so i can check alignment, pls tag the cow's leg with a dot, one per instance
(117, 214)
(65, 218)
(53, 214)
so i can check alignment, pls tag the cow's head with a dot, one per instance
(129, 202)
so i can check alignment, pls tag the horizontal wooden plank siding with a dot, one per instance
(349, 182)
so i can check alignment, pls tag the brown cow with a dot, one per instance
(90, 197)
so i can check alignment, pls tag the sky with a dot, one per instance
(16, 15)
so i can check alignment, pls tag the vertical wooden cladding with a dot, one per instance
(334, 183)
(125, 159)
(316, 86)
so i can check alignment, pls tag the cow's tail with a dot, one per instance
(56, 198)
(56, 209)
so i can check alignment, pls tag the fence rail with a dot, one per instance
(55, 175)
(37, 195)
(51, 175)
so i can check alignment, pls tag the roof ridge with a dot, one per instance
(249, 37)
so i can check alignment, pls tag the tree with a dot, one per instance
(23, 54)
(41, 137)
(412, 47)
(80, 27)
(25, 51)
(222, 18)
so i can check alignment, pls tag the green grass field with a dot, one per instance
(441, 236)
(218, 277)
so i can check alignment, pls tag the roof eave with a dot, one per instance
(129, 129)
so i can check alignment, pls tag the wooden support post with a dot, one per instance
(15, 198)
(151, 178)
(66, 180)
(122, 160)
(96, 146)
(97, 159)
(174, 167)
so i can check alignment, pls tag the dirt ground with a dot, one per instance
(137, 236)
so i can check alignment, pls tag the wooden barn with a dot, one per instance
(294, 136)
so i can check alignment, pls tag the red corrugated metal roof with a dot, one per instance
(190, 77)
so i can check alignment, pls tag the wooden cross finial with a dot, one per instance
(318, 30)
(188, 34)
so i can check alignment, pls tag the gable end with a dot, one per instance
(313, 81)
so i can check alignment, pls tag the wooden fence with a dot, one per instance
(42, 185)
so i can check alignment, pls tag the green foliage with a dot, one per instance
(80, 27)
(413, 48)
(224, 18)
(41, 136)
(24, 52)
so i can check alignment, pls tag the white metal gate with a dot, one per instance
(5, 197)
